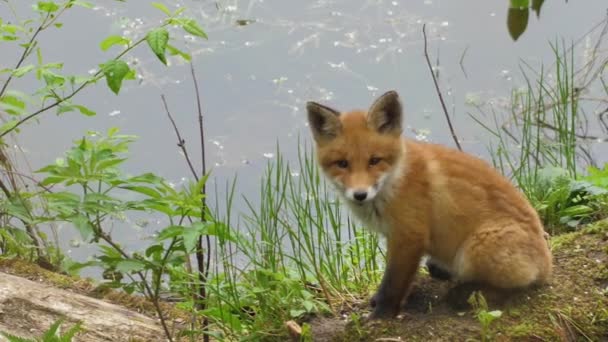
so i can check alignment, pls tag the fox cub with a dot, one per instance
(428, 200)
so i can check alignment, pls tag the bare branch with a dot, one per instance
(445, 109)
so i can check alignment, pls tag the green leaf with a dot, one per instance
(226, 317)
(7, 126)
(192, 27)
(113, 40)
(53, 66)
(84, 110)
(170, 232)
(9, 28)
(70, 108)
(157, 40)
(143, 190)
(83, 225)
(519, 4)
(131, 265)
(154, 249)
(115, 72)
(173, 51)
(12, 104)
(84, 4)
(190, 236)
(296, 313)
(162, 7)
(517, 21)
(46, 6)
(536, 6)
(20, 72)
(51, 78)
(50, 334)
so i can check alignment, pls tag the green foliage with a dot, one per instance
(518, 15)
(58, 89)
(157, 40)
(53, 334)
(537, 145)
(567, 203)
(485, 317)
(115, 71)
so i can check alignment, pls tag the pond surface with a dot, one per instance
(264, 59)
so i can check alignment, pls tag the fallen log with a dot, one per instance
(28, 309)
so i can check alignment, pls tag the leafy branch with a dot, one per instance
(114, 71)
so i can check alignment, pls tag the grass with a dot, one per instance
(540, 144)
(298, 257)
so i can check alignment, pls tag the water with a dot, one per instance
(264, 59)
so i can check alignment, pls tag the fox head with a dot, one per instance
(360, 152)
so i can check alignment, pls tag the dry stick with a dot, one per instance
(180, 141)
(182, 144)
(445, 109)
(200, 257)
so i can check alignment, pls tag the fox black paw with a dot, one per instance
(438, 272)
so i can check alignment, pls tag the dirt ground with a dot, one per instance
(573, 307)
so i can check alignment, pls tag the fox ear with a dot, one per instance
(385, 114)
(324, 121)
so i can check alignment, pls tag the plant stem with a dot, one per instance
(180, 141)
(203, 266)
(445, 109)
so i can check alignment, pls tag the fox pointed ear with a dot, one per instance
(385, 114)
(324, 121)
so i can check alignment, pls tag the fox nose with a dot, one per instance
(360, 195)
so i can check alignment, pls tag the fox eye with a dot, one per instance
(374, 161)
(342, 163)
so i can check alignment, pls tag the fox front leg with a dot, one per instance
(404, 256)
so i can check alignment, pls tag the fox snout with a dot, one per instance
(361, 194)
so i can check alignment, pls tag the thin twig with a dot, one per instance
(203, 266)
(38, 183)
(28, 49)
(180, 141)
(445, 109)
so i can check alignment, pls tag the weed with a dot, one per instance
(53, 334)
(485, 317)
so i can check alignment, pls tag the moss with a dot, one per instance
(565, 240)
(521, 330)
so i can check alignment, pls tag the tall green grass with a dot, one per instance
(538, 143)
(294, 253)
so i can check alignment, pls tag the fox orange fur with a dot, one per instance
(428, 200)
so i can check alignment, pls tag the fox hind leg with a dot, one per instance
(504, 256)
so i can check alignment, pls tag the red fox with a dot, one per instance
(429, 200)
